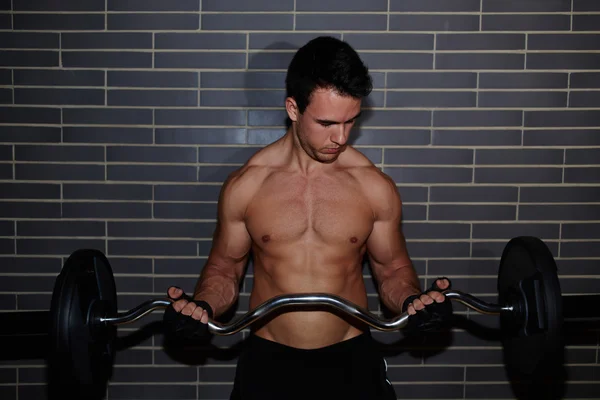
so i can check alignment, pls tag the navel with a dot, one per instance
(266, 238)
(353, 239)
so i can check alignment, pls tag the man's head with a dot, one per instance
(326, 82)
(326, 63)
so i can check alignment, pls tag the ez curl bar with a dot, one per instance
(322, 300)
(82, 321)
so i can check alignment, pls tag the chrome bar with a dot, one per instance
(477, 304)
(136, 313)
(300, 300)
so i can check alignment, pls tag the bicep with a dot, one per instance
(231, 242)
(386, 246)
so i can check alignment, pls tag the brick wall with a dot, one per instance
(119, 121)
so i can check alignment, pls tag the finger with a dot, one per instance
(411, 309)
(197, 314)
(204, 318)
(418, 304)
(174, 292)
(189, 309)
(442, 283)
(436, 296)
(179, 305)
(426, 299)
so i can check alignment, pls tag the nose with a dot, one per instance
(340, 136)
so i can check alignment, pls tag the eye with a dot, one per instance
(326, 124)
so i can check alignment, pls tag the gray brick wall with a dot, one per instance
(119, 121)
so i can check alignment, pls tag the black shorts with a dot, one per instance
(350, 370)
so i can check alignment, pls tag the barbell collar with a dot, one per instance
(304, 300)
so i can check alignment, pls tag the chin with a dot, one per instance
(327, 158)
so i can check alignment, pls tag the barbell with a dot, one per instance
(82, 321)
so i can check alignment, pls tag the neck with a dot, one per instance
(297, 156)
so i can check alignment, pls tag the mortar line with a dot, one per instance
(60, 53)
(525, 52)
(474, 166)
(106, 87)
(569, 89)
(560, 238)
(153, 125)
(294, 19)
(477, 89)
(571, 17)
(14, 161)
(434, 50)
(385, 89)
(480, 15)
(199, 15)
(388, 16)
(247, 50)
(518, 206)
(564, 165)
(522, 128)
(12, 82)
(428, 206)
(105, 162)
(15, 237)
(106, 235)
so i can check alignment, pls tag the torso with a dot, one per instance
(309, 235)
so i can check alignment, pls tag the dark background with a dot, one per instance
(119, 121)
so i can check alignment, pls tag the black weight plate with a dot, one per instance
(527, 263)
(81, 356)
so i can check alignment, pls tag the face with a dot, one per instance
(324, 127)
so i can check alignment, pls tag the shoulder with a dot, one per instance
(241, 184)
(378, 187)
(368, 174)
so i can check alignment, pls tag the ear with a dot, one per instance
(292, 108)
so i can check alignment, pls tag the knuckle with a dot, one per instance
(188, 309)
(197, 314)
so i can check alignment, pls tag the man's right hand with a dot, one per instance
(186, 317)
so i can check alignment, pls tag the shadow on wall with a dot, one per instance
(264, 95)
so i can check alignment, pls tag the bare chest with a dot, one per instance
(327, 210)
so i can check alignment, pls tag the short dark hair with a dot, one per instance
(326, 62)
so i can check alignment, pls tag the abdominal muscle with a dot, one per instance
(301, 271)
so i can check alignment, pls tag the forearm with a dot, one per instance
(218, 288)
(396, 285)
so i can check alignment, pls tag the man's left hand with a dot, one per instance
(429, 310)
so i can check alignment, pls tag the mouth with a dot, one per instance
(332, 150)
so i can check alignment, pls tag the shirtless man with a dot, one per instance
(309, 207)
